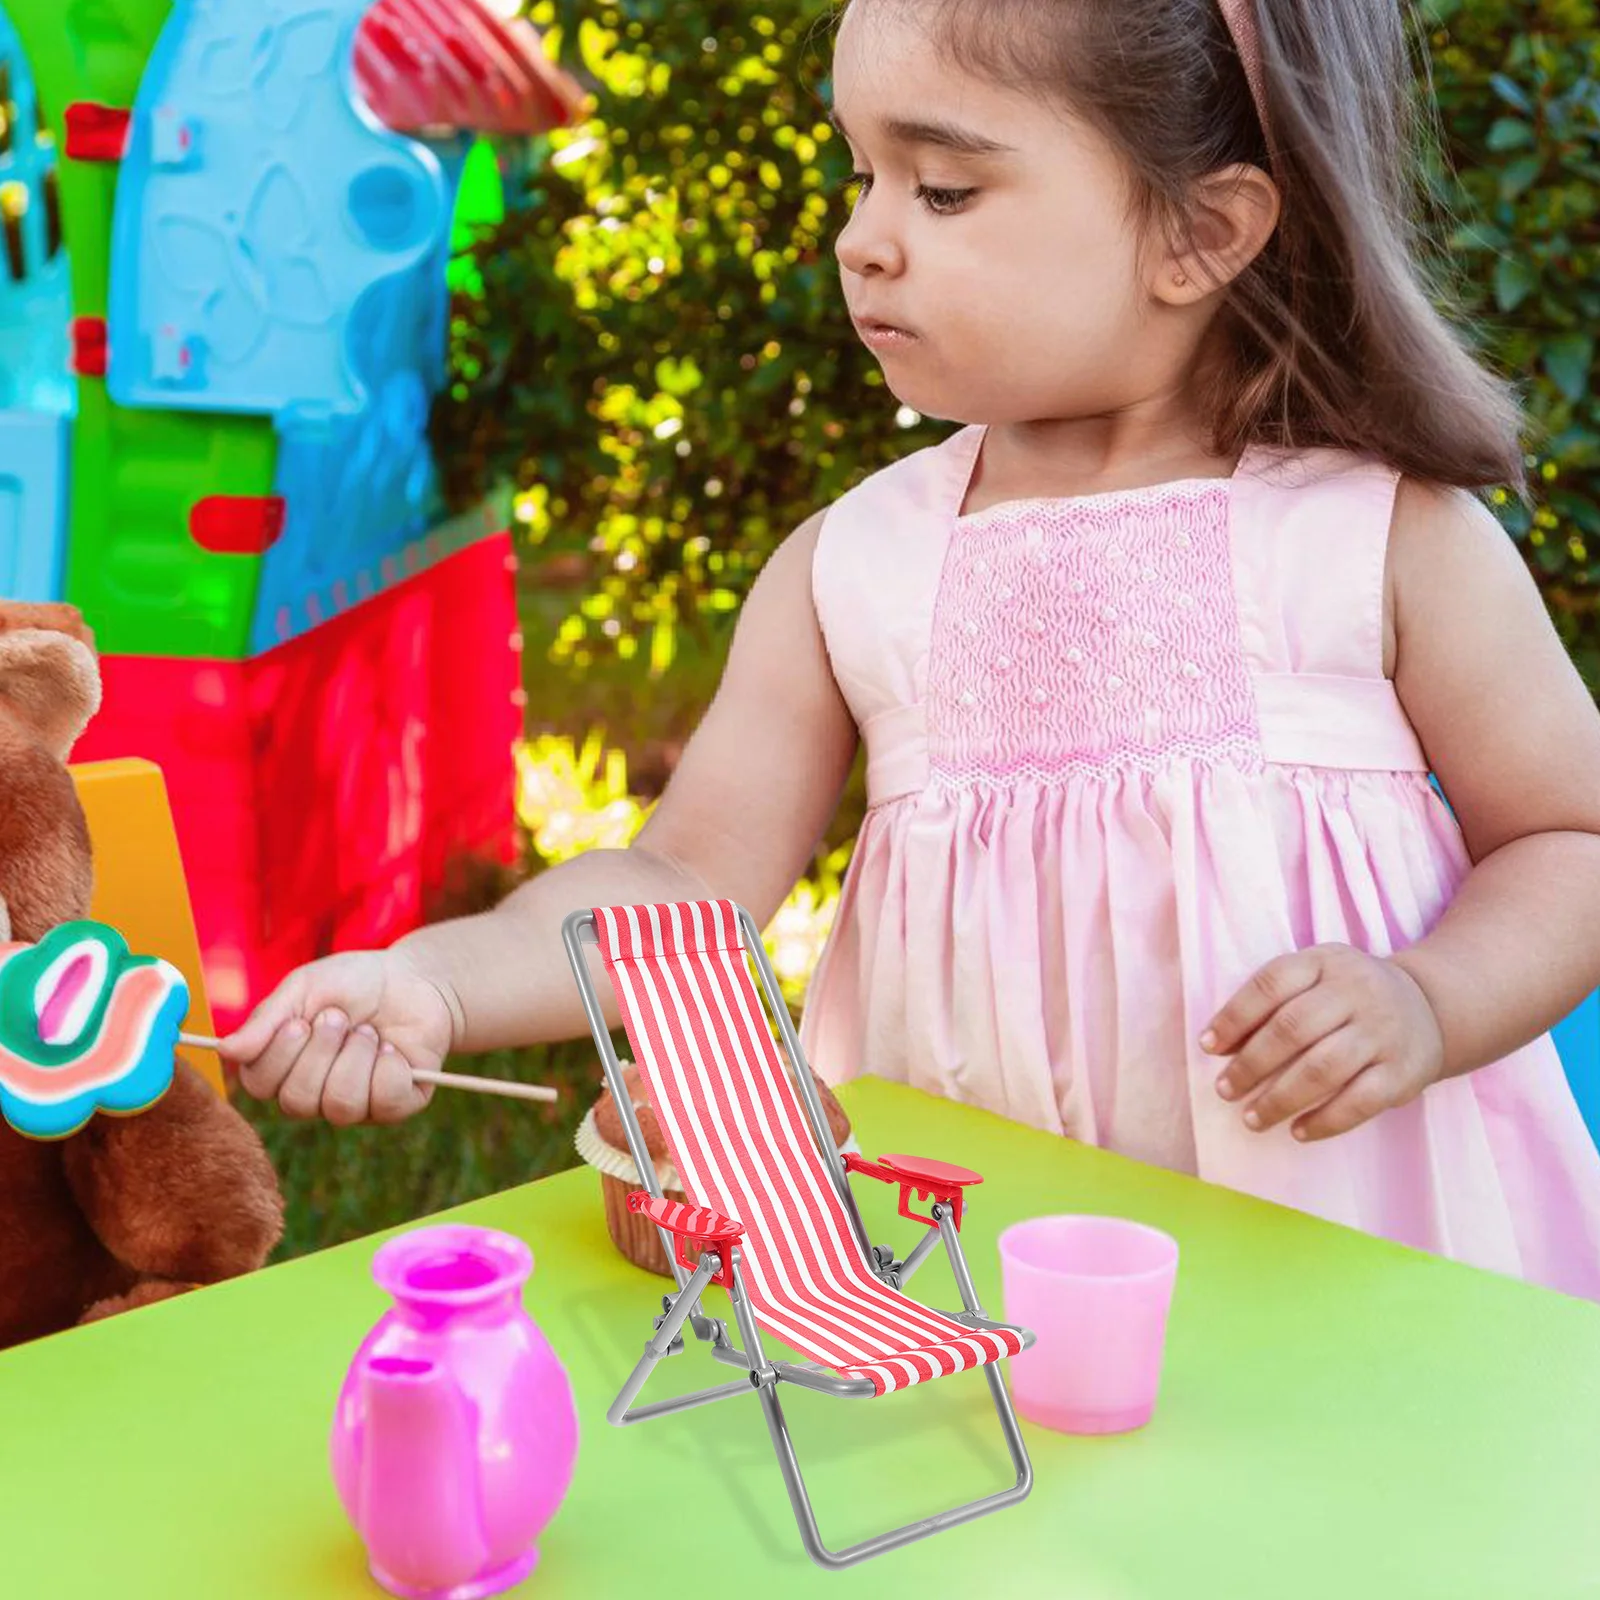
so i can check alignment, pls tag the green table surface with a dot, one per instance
(1339, 1417)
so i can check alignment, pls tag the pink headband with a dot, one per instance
(1241, 19)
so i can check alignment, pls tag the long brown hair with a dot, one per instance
(1332, 336)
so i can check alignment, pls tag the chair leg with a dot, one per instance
(766, 1379)
(929, 1242)
(835, 1560)
(969, 1298)
(657, 1346)
(958, 1260)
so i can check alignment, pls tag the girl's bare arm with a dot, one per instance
(740, 819)
(1514, 737)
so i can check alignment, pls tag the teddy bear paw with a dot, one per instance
(141, 1294)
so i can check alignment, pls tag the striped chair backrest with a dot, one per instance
(743, 1147)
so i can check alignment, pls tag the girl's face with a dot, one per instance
(993, 231)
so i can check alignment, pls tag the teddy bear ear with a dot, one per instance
(49, 678)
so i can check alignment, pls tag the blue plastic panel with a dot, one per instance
(35, 291)
(360, 576)
(257, 207)
(33, 505)
(1578, 1041)
(360, 490)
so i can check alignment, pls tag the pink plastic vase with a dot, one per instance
(455, 1434)
(1096, 1292)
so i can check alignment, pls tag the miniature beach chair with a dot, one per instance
(771, 1210)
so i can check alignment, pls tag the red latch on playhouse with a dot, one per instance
(89, 346)
(96, 132)
(237, 524)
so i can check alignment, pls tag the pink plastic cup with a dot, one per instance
(1095, 1291)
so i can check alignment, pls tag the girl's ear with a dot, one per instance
(1236, 211)
(49, 678)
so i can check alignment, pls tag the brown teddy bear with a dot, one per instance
(128, 1210)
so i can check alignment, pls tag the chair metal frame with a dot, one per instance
(761, 1374)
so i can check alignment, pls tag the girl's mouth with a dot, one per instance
(883, 335)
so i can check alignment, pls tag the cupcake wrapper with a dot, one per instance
(635, 1236)
(615, 1163)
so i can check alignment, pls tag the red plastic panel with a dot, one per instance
(476, 696)
(190, 718)
(319, 789)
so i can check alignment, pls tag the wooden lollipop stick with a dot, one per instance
(512, 1091)
(444, 1080)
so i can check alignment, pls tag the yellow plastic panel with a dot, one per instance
(139, 884)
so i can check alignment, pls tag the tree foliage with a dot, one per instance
(659, 361)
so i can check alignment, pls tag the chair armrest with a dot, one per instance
(936, 1180)
(691, 1225)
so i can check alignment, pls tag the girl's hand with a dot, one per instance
(1329, 1036)
(339, 1039)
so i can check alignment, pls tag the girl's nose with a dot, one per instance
(866, 247)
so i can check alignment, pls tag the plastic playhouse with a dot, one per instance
(223, 320)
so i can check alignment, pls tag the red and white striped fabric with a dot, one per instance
(424, 65)
(742, 1146)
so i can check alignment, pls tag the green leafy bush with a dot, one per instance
(1518, 87)
(660, 362)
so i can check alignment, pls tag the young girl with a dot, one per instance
(1152, 659)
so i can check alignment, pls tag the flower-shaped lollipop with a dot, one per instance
(85, 1026)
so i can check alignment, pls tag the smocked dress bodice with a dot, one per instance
(1122, 750)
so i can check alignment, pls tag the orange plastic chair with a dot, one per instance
(139, 883)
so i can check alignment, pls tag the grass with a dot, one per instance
(342, 1183)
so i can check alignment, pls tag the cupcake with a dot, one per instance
(603, 1145)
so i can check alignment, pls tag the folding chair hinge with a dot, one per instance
(885, 1265)
(673, 1349)
(711, 1330)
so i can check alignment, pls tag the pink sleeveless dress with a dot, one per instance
(1122, 750)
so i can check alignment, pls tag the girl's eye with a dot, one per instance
(942, 202)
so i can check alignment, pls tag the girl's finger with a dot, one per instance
(1293, 1029)
(264, 1075)
(1311, 1079)
(1359, 1101)
(1275, 985)
(301, 1094)
(255, 1037)
(266, 1023)
(347, 1094)
(395, 1094)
